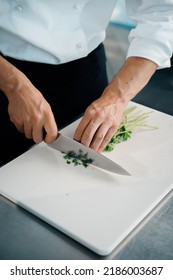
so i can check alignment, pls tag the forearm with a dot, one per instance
(10, 77)
(132, 77)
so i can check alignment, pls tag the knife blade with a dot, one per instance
(65, 144)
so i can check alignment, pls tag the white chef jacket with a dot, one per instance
(58, 31)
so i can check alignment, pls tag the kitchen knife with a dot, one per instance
(65, 144)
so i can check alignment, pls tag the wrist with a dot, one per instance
(132, 77)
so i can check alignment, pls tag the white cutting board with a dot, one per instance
(95, 207)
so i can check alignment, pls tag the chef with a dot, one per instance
(53, 68)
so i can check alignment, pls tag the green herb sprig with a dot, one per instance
(78, 158)
(132, 119)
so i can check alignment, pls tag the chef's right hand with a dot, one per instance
(27, 108)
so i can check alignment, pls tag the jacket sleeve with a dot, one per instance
(152, 38)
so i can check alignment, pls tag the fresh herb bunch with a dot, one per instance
(78, 158)
(132, 119)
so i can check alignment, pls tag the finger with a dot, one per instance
(88, 116)
(89, 132)
(28, 130)
(50, 129)
(37, 133)
(102, 135)
(20, 128)
(81, 128)
(111, 131)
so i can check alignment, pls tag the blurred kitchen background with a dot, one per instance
(116, 43)
(158, 94)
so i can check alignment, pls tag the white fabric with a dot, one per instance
(153, 36)
(58, 31)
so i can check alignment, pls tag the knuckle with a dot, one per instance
(47, 111)
(51, 137)
(49, 140)
(99, 137)
(113, 129)
(85, 137)
(38, 138)
(114, 126)
(28, 135)
(100, 114)
(93, 124)
(107, 138)
(90, 111)
(18, 125)
(36, 118)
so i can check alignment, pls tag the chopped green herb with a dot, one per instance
(130, 121)
(78, 158)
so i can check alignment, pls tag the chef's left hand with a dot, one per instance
(103, 117)
(100, 121)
